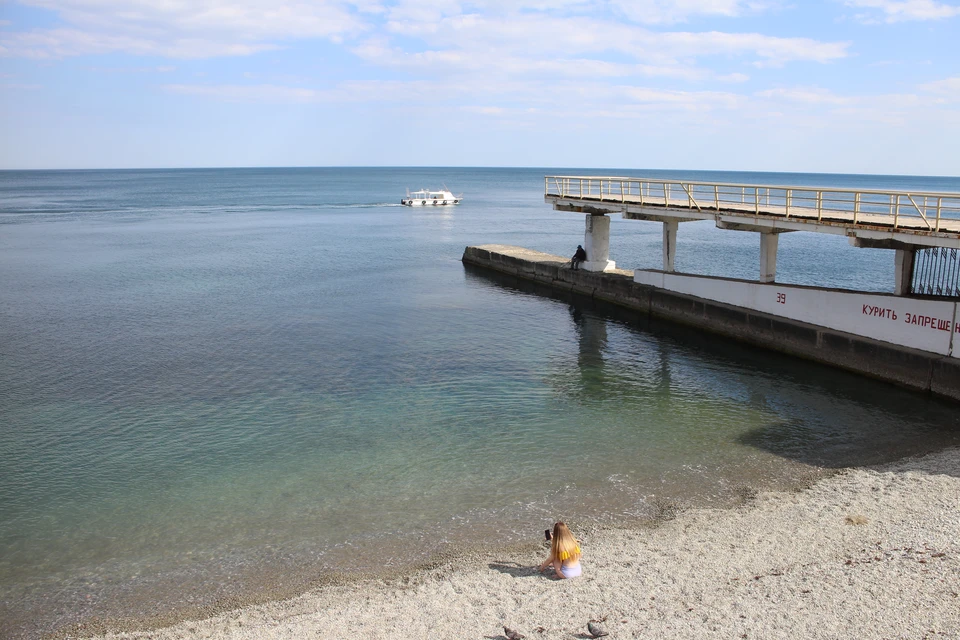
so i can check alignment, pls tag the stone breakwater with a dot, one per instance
(904, 366)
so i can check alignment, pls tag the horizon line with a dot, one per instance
(545, 167)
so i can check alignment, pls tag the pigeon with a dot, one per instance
(512, 634)
(596, 630)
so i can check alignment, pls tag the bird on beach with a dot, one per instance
(596, 630)
(512, 634)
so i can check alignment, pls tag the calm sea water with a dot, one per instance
(224, 385)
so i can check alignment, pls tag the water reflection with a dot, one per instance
(637, 368)
(680, 383)
(591, 333)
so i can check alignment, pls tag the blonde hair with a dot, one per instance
(563, 546)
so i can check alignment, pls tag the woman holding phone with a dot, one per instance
(564, 553)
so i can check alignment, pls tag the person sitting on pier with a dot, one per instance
(564, 553)
(579, 257)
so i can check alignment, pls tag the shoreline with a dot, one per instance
(869, 552)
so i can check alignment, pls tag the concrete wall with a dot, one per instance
(928, 325)
(910, 367)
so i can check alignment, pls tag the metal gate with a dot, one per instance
(936, 272)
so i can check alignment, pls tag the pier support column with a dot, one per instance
(768, 256)
(903, 271)
(596, 242)
(669, 244)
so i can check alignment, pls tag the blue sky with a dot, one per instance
(860, 86)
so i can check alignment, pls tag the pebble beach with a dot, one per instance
(864, 553)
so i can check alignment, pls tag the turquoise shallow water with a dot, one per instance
(213, 382)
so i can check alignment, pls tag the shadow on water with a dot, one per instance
(859, 445)
(821, 416)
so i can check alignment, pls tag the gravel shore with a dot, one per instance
(866, 553)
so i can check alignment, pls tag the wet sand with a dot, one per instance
(865, 553)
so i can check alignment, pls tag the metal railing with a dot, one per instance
(936, 272)
(934, 212)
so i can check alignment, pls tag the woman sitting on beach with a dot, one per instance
(564, 553)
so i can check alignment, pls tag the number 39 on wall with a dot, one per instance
(781, 297)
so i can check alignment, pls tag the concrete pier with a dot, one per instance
(903, 270)
(906, 222)
(768, 256)
(596, 242)
(915, 368)
(670, 228)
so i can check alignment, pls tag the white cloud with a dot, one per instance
(486, 111)
(770, 50)
(903, 10)
(566, 37)
(452, 62)
(490, 97)
(587, 102)
(550, 37)
(370, 91)
(672, 11)
(805, 95)
(948, 86)
(61, 43)
(181, 28)
(947, 90)
(733, 77)
(816, 104)
(158, 69)
(369, 6)
(246, 93)
(246, 19)
(424, 10)
(637, 11)
(690, 100)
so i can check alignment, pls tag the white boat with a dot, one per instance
(431, 198)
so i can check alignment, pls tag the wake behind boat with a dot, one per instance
(429, 198)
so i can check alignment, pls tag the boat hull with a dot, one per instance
(430, 202)
(431, 198)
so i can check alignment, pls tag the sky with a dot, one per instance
(838, 86)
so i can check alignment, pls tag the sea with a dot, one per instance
(224, 386)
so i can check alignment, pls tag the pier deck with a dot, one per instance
(887, 219)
